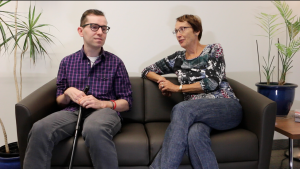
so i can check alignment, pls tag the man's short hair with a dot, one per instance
(194, 21)
(90, 12)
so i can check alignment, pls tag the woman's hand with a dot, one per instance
(167, 86)
(157, 78)
(161, 79)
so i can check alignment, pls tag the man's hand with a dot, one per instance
(167, 86)
(74, 94)
(91, 102)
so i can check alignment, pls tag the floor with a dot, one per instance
(280, 161)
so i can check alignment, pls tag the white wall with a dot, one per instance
(141, 34)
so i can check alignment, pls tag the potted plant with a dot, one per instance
(9, 153)
(281, 92)
(28, 33)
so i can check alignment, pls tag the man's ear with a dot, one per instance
(79, 30)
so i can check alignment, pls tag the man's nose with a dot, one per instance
(99, 31)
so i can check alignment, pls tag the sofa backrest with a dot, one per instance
(136, 114)
(158, 107)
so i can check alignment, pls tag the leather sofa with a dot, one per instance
(247, 146)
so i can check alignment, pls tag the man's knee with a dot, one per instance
(40, 130)
(102, 125)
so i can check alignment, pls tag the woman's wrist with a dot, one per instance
(180, 88)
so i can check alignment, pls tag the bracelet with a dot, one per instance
(115, 104)
(180, 88)
(112, 103)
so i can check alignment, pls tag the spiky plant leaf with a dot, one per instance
(34, 37)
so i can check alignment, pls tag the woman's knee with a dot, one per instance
(178, 111)
(198, 132)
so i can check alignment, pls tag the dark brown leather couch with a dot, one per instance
(247, 146)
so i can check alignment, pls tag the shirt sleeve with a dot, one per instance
(163, 66)
(215, 70)
(123, 85)
(61, 81)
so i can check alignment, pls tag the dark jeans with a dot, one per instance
(189, 131)
(99, 127)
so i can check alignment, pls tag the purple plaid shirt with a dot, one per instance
(108, 78)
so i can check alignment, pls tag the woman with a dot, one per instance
(209, 102)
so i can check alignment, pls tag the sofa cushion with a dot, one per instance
(227, 145)
(157, 106)
(131, 145)
(156, 132)
(235, 145)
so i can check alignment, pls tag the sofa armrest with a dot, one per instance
(32, 108)
(259, 117)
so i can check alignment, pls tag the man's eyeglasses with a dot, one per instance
(94, 27)
(180, 30)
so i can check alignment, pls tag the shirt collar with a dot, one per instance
(101, 54)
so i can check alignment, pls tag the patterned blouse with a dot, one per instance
(208, 69)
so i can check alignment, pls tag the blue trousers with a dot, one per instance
(189, 131)
(99, 127)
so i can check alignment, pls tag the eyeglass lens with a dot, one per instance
(95, 28)
(180, 30)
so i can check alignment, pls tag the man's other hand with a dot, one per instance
(74, 94)
(91, 102)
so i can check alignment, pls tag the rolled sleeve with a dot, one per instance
(161, 67)
(61, 81)
(123, 85)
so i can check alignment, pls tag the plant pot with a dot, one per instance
(10, 160)
(283, 95)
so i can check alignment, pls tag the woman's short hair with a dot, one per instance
(194, 21)
(89, 12)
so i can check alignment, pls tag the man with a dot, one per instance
(109, 93)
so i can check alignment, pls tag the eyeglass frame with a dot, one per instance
(180, 30)
(99, 26)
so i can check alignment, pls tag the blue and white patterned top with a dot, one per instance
(208, 69)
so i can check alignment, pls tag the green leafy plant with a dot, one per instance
(285, 51)
(27, 35)
(32, 38)
(267, 23)
(292, 46)
(3, 23)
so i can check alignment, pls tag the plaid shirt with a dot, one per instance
(108, 78)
